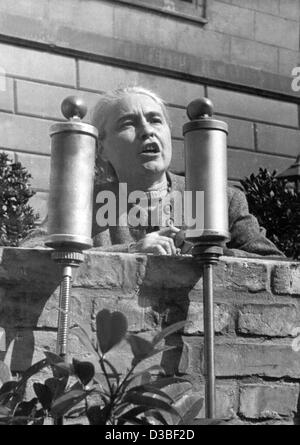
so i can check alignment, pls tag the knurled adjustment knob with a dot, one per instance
(200, 109)
(66, 256)
(73, 107)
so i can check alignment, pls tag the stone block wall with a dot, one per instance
(257, 320)
(242, 59)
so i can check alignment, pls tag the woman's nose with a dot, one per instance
(146, 130)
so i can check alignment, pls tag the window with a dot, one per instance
(192, 10)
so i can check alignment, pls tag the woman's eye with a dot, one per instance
(126, 124)
(156, 120)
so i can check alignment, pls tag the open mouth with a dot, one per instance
(151, 147)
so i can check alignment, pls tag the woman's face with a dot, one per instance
(137, 138)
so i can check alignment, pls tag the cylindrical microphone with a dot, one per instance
(73, 148)
(205, 143)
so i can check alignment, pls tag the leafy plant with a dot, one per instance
(138, 397)
(17, 217)
(277, 208)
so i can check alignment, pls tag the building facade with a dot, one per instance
(242, 54)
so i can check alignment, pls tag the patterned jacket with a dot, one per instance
(247, 237)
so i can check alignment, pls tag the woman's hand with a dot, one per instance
(158, 243)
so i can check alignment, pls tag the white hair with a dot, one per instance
(101, 109)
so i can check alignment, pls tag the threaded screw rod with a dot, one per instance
(63, 312)
(209, 333)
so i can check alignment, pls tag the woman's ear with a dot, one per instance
(101, 150)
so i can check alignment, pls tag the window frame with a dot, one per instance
(142, 4)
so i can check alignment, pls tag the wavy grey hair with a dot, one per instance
(101, 109)
(104, 170)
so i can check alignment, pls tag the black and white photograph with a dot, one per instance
(150, 215)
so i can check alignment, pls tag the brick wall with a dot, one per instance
(257, 313)
(242, 59)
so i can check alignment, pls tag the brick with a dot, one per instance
(245, 275)
(39, 202)
(268, 401)
(254, 54)
(194, 318)
(230, 19)
(110, 271)
(269, 6)
(286, 35)
(267, 320)
(99, 77)
(258, 108)
(206, 44)
(290, 9)
(38, 167)
(242, 163)
(172, 273)
(240, 133)
(39, 65)
(144, 24)
(24, 134)
(285, 279)
(121, 357)
(30, 345)
(241, 358)
(263, 359)
(226, 401)
(278, 140)
(141, 315)
(45, 100)
(27, 266)
(6, 93)
(288, 60)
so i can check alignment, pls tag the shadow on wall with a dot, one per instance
(167, 298)
(25, 292)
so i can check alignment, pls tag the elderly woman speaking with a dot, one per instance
(134, 155)
(135, 150)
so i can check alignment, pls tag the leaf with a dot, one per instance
(187, 407)
(61, 405)
(44, 395)
(97, 415)
(143, 374)
(150, 402)
(157, 415)
(8, 387)
(85, 371)
(25, 408)
(151, 354)
(167, 331)
(115, 373)
(57, 385)
(168, 381)
(4, 411)
(5, 374)
(34, 369)
(140, 347)
(148, 388)
(111, 329)
(178, 390)
(76, 412)
(84, 338)
(191, 411)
